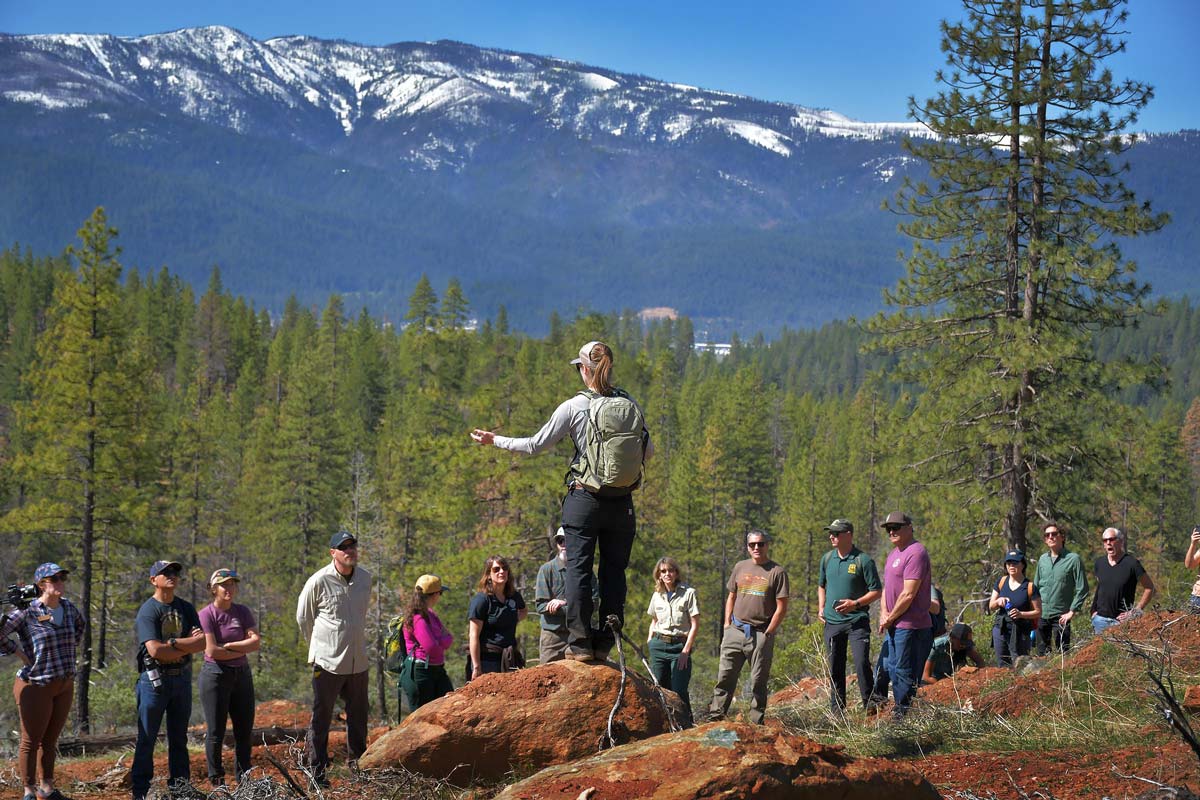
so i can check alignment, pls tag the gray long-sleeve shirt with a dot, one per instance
(332, 615)
(570, 418)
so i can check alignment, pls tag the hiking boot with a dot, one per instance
(581, 655)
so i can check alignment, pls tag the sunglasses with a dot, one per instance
(892, 528)
(226, 573)
(756, 545)
(499, 569)
(835, 534)
(348, 546)
(665, 571)
(1048, 534)
(170, 573)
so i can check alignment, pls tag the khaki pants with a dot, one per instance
(736, 650)
(552, 646)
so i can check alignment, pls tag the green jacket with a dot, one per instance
(1062, 583)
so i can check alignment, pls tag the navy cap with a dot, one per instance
(161, 566)
(48, 570)
(1015, 556)
(340, 538)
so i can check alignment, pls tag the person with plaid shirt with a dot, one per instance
(48, 633)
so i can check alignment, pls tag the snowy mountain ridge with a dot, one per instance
(320, 90)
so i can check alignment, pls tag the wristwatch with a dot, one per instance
(171, 642)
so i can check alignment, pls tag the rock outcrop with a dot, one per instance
(726, 760)
(531, 718)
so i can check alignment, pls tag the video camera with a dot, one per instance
(21, 596)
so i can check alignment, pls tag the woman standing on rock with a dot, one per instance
(611, 443)
(226, 683)
(48, 632)
(1018, 607)
(423, 677)
(675, 619)
(493, 615)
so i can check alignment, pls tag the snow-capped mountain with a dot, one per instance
(307, 166)
(324, 92)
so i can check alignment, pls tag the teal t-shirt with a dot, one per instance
(849, 577)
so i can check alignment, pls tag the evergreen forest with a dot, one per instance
(139, 421)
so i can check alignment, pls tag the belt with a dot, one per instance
(673, 638)
(171, 670)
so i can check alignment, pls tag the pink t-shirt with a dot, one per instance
(911, 564)
(227, 626)
(428, 640)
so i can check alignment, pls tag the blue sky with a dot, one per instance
(860, 57)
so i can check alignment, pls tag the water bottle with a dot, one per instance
(154, 676)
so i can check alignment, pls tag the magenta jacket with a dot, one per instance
(428, 640)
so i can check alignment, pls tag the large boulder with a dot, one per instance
(727, 760)
(532, 718)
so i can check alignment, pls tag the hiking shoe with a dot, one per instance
(581, 655)
(55, 794)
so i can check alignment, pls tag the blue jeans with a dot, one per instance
(173, 698)
(1100, 624)
(908, 649)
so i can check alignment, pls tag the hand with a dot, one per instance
(1065, 618)
(821, 613)
(483, 437)
(554, 606)
(845, 606)
(1196, 534)
(682, 661)
(1014, 613)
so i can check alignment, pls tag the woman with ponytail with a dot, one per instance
(611, 442)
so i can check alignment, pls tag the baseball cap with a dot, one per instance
(340, 538)
(160, 566)
(897, 518)
(559, 535)
(585, 355)
(47, 570)
(1014, 555)
(223, 576)
(960, 631)
(840, 526)
(430, 584)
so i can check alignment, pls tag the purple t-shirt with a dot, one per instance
(227, 626)
(912, 564)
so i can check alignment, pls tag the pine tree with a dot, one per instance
(88, 467)
(1014, 263)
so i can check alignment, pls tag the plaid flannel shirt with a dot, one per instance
(50, 647)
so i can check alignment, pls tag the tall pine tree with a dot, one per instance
(1015, 262)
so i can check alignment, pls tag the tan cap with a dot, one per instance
(585, 355)
(430, 584)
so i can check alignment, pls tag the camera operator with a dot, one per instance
(1191, 560)
(48, 631)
